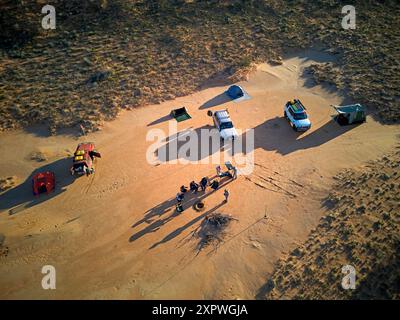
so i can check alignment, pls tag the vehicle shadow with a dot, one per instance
(277, 135)
(216, 101)
(21, 197)
(190, 144)
(168, 206)
(273, 135)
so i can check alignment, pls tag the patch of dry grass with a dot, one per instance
(7, 183)
(4, 250)
(362, 229)
(151, 51)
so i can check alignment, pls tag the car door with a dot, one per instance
(216, 123)
(96, 154)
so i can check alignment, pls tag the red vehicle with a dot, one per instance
(84, 158)
(43, 182)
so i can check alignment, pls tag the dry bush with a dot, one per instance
(7, 183)
(152, 51)
(362, 229)
(212, 230)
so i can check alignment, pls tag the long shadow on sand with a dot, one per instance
(265, 289)
(286, 141)
(277, 135)
(175, 144)
(160, 120)
(272, 135)
(216, 101)
(167, 206)
(178, 231)
(21, 197)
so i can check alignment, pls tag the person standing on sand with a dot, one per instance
(203, 183)
(179, 207)
(218, 168)
(214, 185)
(234, 173)
(83, 132)
(194, 187)
(180, 197)
(226, 195)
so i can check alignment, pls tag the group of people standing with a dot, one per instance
(203, 184)
(193, 188)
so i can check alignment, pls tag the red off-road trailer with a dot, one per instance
(43, 182)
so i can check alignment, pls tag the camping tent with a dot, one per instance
(354, 113)
(180, 114)
(235, 92)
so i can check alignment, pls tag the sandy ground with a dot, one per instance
(116, 235)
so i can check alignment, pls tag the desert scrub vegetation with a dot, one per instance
(7, 183)
(361, 228)
(105, 56)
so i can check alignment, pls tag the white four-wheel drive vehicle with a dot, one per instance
(296, 114)
(224, 125)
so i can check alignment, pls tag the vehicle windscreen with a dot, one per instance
(300, 116)
(226, 125)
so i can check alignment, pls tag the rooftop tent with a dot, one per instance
(354, 113)
(297, 105)
(235, 92)
(180, 114)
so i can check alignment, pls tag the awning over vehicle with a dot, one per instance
(352, 108)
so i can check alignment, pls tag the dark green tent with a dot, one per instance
(354, 113)
(180, 114)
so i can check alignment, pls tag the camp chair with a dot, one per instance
(229, 165)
